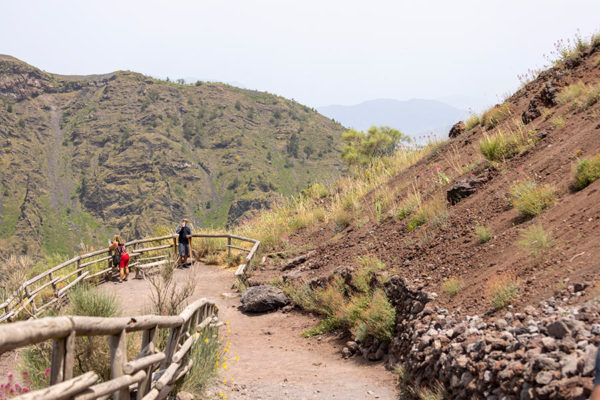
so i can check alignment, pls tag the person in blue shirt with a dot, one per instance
(185, 238)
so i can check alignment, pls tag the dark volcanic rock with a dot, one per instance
(466, 187)
(457, 129)
(548, 95)
(263, 298)
(532, 112)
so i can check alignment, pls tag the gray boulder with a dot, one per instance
(263, 298)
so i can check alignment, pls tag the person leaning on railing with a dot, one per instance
(185, 237)
(118, 245)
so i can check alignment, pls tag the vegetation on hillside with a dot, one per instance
(85, 157)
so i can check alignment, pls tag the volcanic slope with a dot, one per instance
(548, 127)
(85, 156)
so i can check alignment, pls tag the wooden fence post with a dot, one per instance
(118, 357)
(229, 245)
(171, 346)
(175, 247)
(63, 355)
(79, 271)
(148, 336)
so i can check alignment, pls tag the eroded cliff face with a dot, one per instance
(85, 156)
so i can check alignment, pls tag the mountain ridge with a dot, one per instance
(123, 152)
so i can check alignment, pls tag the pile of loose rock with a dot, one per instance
(546, 352)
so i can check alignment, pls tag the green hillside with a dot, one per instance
(85, 156)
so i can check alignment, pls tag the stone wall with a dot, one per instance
(544, 352)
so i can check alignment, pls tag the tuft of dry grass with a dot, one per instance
(581, 96)
(453, 286)
(483, 233)
(504, 145)
(587, 171)
(472, 122)
(536, 242)
(502, 291)
(532, 199)
(492, 117)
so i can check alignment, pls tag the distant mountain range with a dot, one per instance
(414, 117)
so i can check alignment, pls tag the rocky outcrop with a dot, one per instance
(457, 129)
(546, 352)
(532, 112)
(242, 206)
(466, 187)
(263, 298)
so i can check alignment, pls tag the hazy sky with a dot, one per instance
(317, 52)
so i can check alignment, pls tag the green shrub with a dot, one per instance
(233, 260)
(411, 204)
(362, 148)
(91, 352)
(342, 219)
(434, 212)
(416, 220)
(503, 146)
(483, 233)
(369, 265)
(452, 286)
(503, 291)
(212, 259)
(586, 172)
(205, 355)
(86, 300)
(581, 95)
(536, 242)
(495, 115)
(531, 199)
(379, 319)
(357, 308)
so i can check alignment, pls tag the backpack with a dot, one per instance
(116, 258)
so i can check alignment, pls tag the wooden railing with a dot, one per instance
(151, 374)
(61, 278)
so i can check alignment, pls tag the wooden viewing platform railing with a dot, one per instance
(23, 299)
(151, 374)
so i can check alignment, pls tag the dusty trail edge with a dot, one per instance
(275, 362)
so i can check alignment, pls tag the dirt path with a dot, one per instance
(274, 361)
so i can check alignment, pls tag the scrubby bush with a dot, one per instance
(586, 172)
(86, 300)
(434, 212)
(483, 233)
(531, 199)
(91, 352)
(362, 148)
(503, 291)
(356, 306)
(452, 286)
(342, 219)
(536, 242)
(472, 122)
(581, 95)
(205, 356)
(369, 265)
(505, 145)
(492, 117)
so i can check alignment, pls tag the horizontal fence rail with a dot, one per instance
(51, 287)
(151, 375)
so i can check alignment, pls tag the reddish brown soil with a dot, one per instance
(275, 362)
(453, 251)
